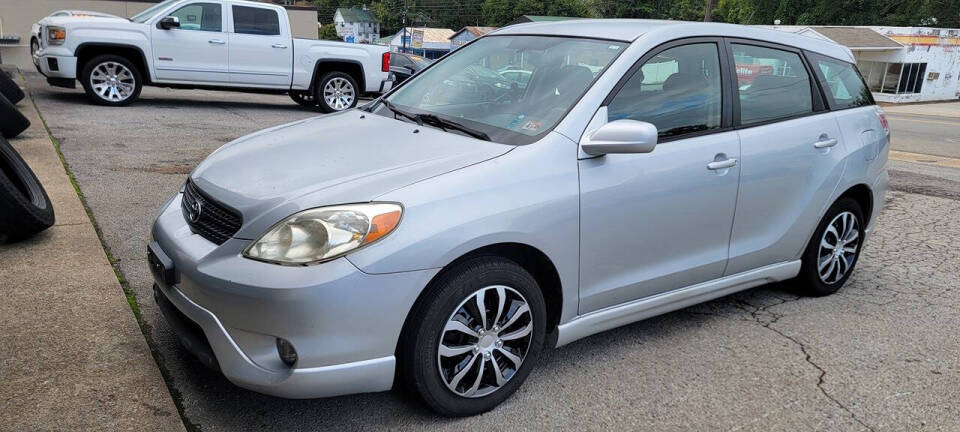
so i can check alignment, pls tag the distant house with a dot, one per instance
(538, 18)
(426, 41)
(356, 25)
(468, 34)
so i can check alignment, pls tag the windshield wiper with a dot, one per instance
(436, 121)
(399, 112)
(445, 124)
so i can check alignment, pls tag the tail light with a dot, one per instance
(883, 121)
(385, 62)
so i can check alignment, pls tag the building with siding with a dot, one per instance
(468, 34)
(17, 16)
(426, 41)
(357, 25)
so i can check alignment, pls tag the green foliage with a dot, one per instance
(329, 32)
(455, 14)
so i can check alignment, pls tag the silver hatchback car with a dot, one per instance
(450, 231)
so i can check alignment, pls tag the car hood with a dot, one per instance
(353, 156)
(108, 22)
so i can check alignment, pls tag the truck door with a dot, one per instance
(195, 52)
(261, 51)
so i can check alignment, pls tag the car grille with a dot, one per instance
(214, 221)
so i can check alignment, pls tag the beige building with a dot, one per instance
(17, 16)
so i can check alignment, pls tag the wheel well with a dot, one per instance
(87, 52)
(862, 195)
(355, 70)
(528, 257)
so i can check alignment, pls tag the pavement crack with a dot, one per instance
(758, 313)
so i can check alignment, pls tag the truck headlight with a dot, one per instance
(324, 233)
(56, 35)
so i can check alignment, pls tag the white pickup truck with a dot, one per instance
(212, 44)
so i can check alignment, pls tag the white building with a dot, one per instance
(426, 41)
(900, 64)
(356, 25)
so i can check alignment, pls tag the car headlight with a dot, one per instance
(56, 35)
(322, 234)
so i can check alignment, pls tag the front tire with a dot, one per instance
(336, 91)
(833, 250)
(462, 358)
(111, 80)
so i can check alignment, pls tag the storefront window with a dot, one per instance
(893, 78)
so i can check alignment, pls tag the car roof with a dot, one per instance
(629, 30)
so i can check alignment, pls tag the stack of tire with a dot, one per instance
(25, 208)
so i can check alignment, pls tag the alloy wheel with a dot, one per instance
(485, 341)
(838, 247)
(112, 81)
(339, 93)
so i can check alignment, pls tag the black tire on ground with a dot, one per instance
(136, 80)
(12, 122)
(304, 98)
(809, 281)
(10, 89)
(25, 208)
(419, 343)
(330, 76)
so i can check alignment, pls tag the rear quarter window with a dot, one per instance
(842, 83)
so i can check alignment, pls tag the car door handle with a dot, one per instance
(825, 143)
(279, 45)
(216, 41)
(716, 165)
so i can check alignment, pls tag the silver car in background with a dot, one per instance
(450, 231)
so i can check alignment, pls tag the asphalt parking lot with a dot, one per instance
(882, 354)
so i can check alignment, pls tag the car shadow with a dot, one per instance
(211, 398)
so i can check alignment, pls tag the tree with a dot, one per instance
(500, 12)
(329, 32)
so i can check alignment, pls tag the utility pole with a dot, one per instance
(403, 38)
(708, 14)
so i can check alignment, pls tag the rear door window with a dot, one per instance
(255, 21)
(844, 85)
(773, 84)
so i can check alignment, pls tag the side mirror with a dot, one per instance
(621, 136)
(167, 23)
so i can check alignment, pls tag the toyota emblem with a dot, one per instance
(193, 211)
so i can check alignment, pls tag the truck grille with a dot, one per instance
(206, 217)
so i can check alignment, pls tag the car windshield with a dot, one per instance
(468, 87)
(151, 11)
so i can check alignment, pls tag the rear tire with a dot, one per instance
(25, 208)
(10, 89)
(111, 80)
(336, 91)
(824, 271)
(477, 368)
(12, 122)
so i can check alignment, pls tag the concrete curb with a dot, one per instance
(72, 356)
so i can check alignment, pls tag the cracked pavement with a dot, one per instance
(883, 354)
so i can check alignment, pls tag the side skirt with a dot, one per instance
(647, 307)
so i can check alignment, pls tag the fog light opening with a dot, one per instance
(287, 353)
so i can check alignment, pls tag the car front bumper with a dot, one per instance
(56, 63)
(343, 323)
